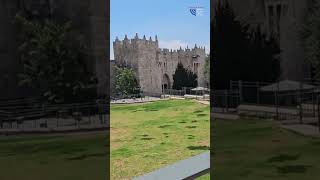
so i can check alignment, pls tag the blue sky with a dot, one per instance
(171, 20)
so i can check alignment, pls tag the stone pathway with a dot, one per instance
(303, 129)
(225, 116)
(204, 102)
(137, 100)
(305, 120)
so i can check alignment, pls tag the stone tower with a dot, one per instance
(154, 67)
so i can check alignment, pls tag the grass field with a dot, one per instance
(69, 157)
(146, 137)
(258, 149)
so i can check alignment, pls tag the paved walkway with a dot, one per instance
(190, 168)
(303, 129)
(204, 102)
(305, 120)
(225, 116)
(151, 99)
(136, 100)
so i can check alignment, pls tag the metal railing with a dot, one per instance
(35, 116)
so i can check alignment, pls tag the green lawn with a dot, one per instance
(146, 137)
(71, 157)
(259, 149)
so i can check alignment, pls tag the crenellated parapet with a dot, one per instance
(137, 42)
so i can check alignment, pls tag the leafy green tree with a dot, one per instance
(184, 78)
(53, 62)
(240, 52)
(311, 37)
(126, 83)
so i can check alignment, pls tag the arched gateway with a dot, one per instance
(166, 82)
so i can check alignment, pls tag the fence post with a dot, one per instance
(258, 90)
(226, 100)
(318, 113)
(277, 101)
(300, 101)
(240, 91)
(313, 104)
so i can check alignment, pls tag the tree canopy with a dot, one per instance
(53, 62)
(126, 83)
(184, 78)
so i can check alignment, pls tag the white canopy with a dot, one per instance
(286, 85)
(200, 89)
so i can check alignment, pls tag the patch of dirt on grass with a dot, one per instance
(117, 136)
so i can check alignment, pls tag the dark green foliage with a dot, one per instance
(184, 78)
(240, 53)
(126, 83)
(54, 62)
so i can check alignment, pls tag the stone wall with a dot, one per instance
(155, 67)
(284, 18)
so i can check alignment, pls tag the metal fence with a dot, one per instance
(303, 101)
(174, 92)
(225, 100)
(32, 115)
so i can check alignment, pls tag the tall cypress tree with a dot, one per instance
(183, 78)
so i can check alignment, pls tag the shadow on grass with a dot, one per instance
(191, 127)
(201, 115)
(164, 126)
(292, 169)
(147, 138)
(198, 148)
(85, 156)
(283, 158)
(137, 110)
(182, 122)
(150, 110)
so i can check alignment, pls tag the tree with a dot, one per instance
(126, 83)
(184, 78)
(240, 52)
(311, 37)
(53, 62)
(264, 59)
